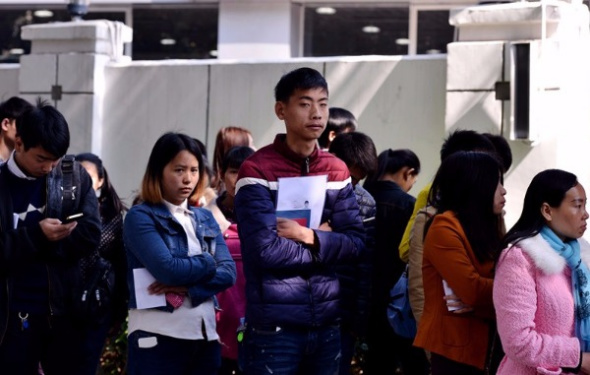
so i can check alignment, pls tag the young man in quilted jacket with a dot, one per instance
(292, 290)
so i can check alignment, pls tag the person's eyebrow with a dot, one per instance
(305, 97)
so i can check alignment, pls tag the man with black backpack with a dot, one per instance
(39, 247)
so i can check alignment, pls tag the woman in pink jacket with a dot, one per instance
(541, 290)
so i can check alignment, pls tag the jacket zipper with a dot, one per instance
(305, 169)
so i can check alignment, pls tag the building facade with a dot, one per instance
(251, 29)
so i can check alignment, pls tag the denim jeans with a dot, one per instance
(291, 351)
(92, 340)
(348, 341)
(167, 355)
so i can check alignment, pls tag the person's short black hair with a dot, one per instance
(43, 125)
(234, 157)
(340, 120)
(391, 161)
(13, 108)
(299, 79)
(465, 140)
(356, 149)
(502, 149)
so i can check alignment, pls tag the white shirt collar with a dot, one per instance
(182, 208)
(13, 167)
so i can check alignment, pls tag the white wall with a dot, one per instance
(8, 80)
(399, 102)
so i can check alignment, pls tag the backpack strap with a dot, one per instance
(70, 185)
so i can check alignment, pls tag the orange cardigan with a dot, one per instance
(448, 255)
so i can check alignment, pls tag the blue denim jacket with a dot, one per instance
(155, 240)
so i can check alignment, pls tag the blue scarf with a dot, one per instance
(570, 251)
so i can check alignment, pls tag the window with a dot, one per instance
(434, 31)
(175, 33)
(163, 32)
(350, 30)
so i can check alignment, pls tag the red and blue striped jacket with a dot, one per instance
(287, 284)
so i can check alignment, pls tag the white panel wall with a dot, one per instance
(142, 102)
(399, 102)
(8, 80)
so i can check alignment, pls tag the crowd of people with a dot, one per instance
(281, 260)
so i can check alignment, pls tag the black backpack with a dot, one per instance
(94, 277)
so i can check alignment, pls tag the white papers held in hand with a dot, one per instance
(302, 198)
(449, 292)
(142, 279)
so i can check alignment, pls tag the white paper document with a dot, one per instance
(142, 279)
(303, 193)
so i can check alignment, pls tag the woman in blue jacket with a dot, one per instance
(183, 249)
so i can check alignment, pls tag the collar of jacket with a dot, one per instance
(547, 259)
(280, 144)
(161, 211)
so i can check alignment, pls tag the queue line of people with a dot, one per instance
(246, 291)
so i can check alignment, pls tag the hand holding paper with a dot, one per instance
(292, 230)
(142, 280)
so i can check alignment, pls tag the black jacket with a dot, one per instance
(355, 278)
(21, 245)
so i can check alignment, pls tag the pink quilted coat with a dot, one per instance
(535, 309)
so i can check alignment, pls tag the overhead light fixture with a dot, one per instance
(402, 41)
(325, 10)
(213, 53)
(370, 29)
(78, 8)
(43, 13)
(167, 41)
(16, 51)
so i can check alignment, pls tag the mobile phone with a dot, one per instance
(73, 217)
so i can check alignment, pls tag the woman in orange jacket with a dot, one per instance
(460, 246)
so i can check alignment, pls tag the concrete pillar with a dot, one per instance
(66, 67)
(263, 29)
(520, 70)
(483, 65)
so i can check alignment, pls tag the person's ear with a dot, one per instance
(331, 135)
(5, 124)
(280, 110)
(547, 212)
(19, 146)
(409, 173)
